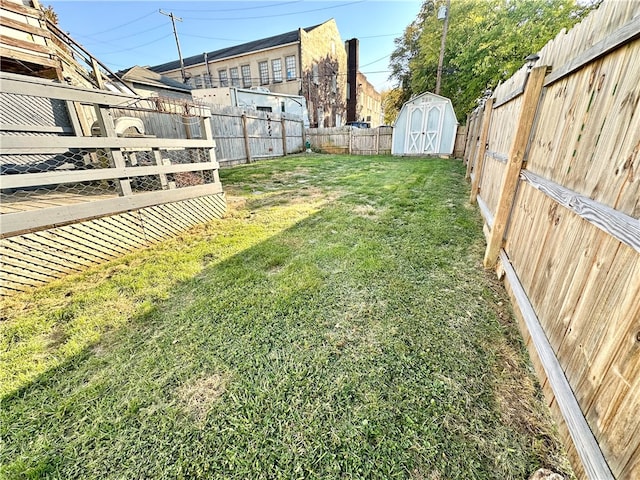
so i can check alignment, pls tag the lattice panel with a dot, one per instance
(37, 258)
(29, 110)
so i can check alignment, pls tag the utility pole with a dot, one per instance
(175, 33)
(445, 27)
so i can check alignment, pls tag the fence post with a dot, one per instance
(477, 165)
(378, 141)
(245, 133)
(304, 136)
(474, 141)
(284, 137)
(108, 129)
(467, 140)
(532, 92)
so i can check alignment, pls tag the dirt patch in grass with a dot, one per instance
(199, 395)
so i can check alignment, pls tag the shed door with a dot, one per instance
(433, 127)
(415, 139)
(424, 127)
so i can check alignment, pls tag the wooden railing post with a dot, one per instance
(477, 165)
(108, 129)
(284, 136)
(530, 101)
(245, 132)
(207, 134)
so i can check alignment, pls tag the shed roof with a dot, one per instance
(145, 76)
(269, 42)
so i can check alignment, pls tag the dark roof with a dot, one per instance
(144, 76)
(269, 42)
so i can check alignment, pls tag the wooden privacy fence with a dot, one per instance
(243, 136)
(554, 162)
(353, 141)
(70, 199)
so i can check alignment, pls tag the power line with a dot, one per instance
(383, 35)
(122, 37)
(122, 25)
(239, 9)
(138, 46)
(375, 61)
(275, 15)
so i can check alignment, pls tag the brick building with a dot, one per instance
(311, 62)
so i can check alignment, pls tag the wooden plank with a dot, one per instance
(632, 468)
(34, 145)
(516, 157)
(20, 8)
(619, 37)
(24, 27)
(58, 177)
(15, 223)
(486, 211)
(586, 445)
(29, 46)
(37, 87)
(511, 96)
(12, 127)
(479, 162)
(611, 383)
(617, 224)
(43, 60)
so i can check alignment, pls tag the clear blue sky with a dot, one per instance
(124, 33)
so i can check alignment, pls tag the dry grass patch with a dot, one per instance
(366, 211)
(198, 396)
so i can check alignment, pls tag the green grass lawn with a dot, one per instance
(336, 324)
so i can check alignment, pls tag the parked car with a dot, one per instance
(359, 124)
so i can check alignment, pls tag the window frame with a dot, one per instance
(290, 67)
(263, 72)
(235, 76)
(223, 77)
(245, 71)
(277, 72)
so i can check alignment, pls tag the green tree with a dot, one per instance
(392, 101)
(487, 42)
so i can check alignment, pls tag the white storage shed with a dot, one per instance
(426, 125)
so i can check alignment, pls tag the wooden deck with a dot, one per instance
(27, 201)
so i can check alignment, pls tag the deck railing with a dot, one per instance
(54, 173)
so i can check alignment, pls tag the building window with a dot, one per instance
(263, 67)
(235, 77)
(246, 76)
(290, 64)
(197, 81)
(276, 66)
(207, 81)
(224, 80)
